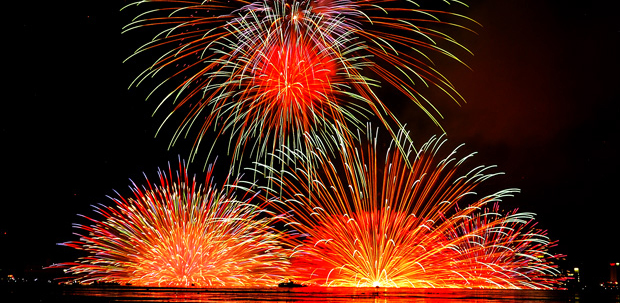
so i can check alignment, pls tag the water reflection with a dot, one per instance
(312, 294)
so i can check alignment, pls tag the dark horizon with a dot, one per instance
(542, 104)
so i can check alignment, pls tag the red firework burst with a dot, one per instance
(264, 73)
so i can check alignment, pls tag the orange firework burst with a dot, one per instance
(178, 233)
(265, 73)
(366, 223)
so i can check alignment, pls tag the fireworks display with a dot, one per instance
(178, 233)
(362, 222)
(290, 83)
(273, 70)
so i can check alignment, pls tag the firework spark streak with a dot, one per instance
(273, 70)
(178, 233)
(363, 222)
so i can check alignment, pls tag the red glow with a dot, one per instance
(290, 88)
(294, 76)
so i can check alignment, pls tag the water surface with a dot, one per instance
(317, 294)
(100, 294)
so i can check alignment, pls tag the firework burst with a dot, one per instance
(178, 233)
(273, 70)
(361, 222)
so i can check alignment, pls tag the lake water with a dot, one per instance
(325, 295)
(75, 294)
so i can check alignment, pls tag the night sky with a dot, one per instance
(542, 103)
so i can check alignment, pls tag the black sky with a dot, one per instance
(542, 104)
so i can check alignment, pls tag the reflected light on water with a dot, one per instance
(312, 294)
